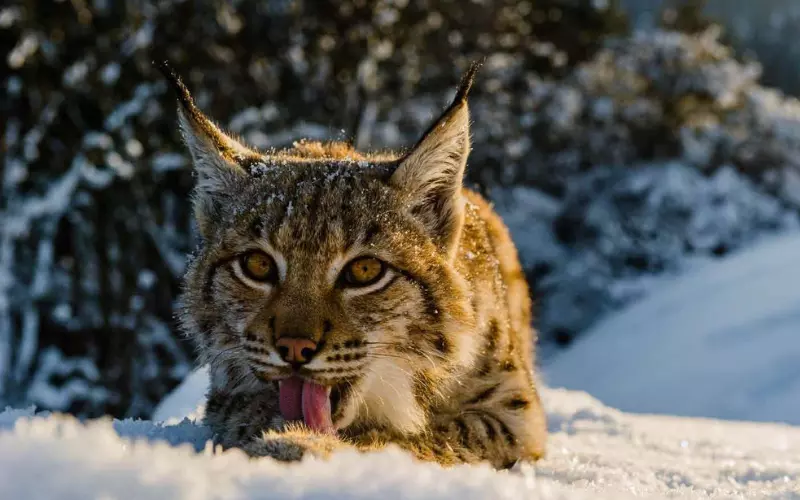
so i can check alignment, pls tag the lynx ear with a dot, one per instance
(431, 174)
(217, 158)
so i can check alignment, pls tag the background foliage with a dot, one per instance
(94, 219)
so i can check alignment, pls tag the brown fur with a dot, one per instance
(437, 358)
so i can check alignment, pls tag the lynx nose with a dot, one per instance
(296, 350)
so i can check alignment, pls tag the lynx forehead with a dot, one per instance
(345, 298)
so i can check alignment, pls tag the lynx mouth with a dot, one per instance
(307, 401)
(336, 398)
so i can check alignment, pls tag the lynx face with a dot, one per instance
(330, 273)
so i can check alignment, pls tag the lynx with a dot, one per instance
(345, 299)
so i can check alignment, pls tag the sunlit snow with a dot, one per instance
(595, 452)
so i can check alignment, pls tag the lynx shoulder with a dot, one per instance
(350, 299)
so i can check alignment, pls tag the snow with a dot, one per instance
(26, 47)
(76, 73)
(130, 108)
(594, 452)
(9, 15)
(16, 221)
(54, 363)
(618, 231)
(529, 214)
(186, 401)
(110, 73)
(721, 341)
(164, 162)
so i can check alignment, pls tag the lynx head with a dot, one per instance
(331, 272)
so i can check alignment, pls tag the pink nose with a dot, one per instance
(296, 350)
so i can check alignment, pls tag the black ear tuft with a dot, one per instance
(217, 157)
(431, 174)
(466, 81)
(208, 144)
(181, 92)
(190, 112)
(460, 98)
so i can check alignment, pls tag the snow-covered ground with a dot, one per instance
(721, 341)
(594, 452)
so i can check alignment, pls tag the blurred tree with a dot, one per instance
(95, 222)
(687, 16)
(95, 185)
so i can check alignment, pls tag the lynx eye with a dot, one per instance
(363, 271)
(258, 266)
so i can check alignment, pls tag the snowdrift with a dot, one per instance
(722, 341)
(594, 452)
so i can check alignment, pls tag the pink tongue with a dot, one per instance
(307, 400)
(317, 408)
(290, 398)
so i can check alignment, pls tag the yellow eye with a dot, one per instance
(364, 271)
(258, 266)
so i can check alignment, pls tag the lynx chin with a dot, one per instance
(345, 299)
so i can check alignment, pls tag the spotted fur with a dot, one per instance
(436, 358)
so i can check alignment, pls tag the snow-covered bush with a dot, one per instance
(620, 228)
(656, 95)
(661, 147)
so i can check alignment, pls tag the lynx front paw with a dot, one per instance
(278, 448)
(293, 445)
